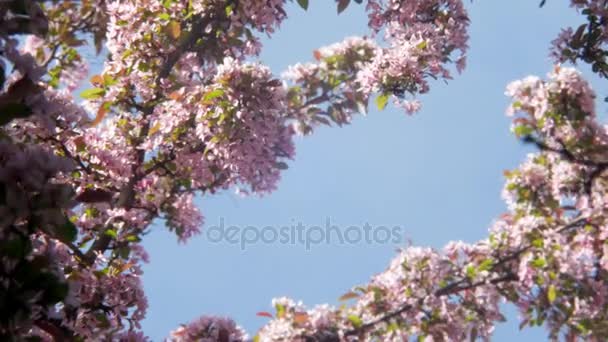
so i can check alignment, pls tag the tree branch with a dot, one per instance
(463, 284)
(127, 194)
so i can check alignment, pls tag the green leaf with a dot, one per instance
(213, 94)
(393, 326)
(67, 232)
(91, 212)
(471, 271)
(186, 183)
(102, 320)
(522, 130)
(303, 4)
(229, 10)
(539, 263)
(583, 326)
(143, 66)
(111, 233)
(280, 310)
(422, 45)
(164, 16)
(172, 166)
(124, 252)
(342, 5)
(10, 111)
(133, 238)
(93, 93)
(486, 265)
(108, 80)
(551, 294)
(382, 100)
(355, 320)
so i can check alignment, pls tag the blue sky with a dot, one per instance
(437, 175)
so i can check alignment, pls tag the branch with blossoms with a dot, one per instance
(178, 111)
(587, 42)
(480, 275)
(598, 168)
(466, 284)
(126, 196)
(540, 257)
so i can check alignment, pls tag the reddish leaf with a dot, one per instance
(223, 336)
(101, 113)
(19, 90)
(274, 83)
(176, 95)
(317, 55)
(174, 29)
(79, 143)
(300, 317)
(97, 80)
(323, 120)
(342, 4)
(264, 314)
(522, 121)
(98, 37)
(348, 295)
(94, 196)
(154, 129)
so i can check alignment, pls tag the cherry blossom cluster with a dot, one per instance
(51, 289)
(546, 255)
(328, 91)
(33, 200)
(180, 109)
(416, 297)
(422, 38)
(154, 141)
(208, 328)
(586, 43)
(559, 113)
(147, 38)
(242, 133)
